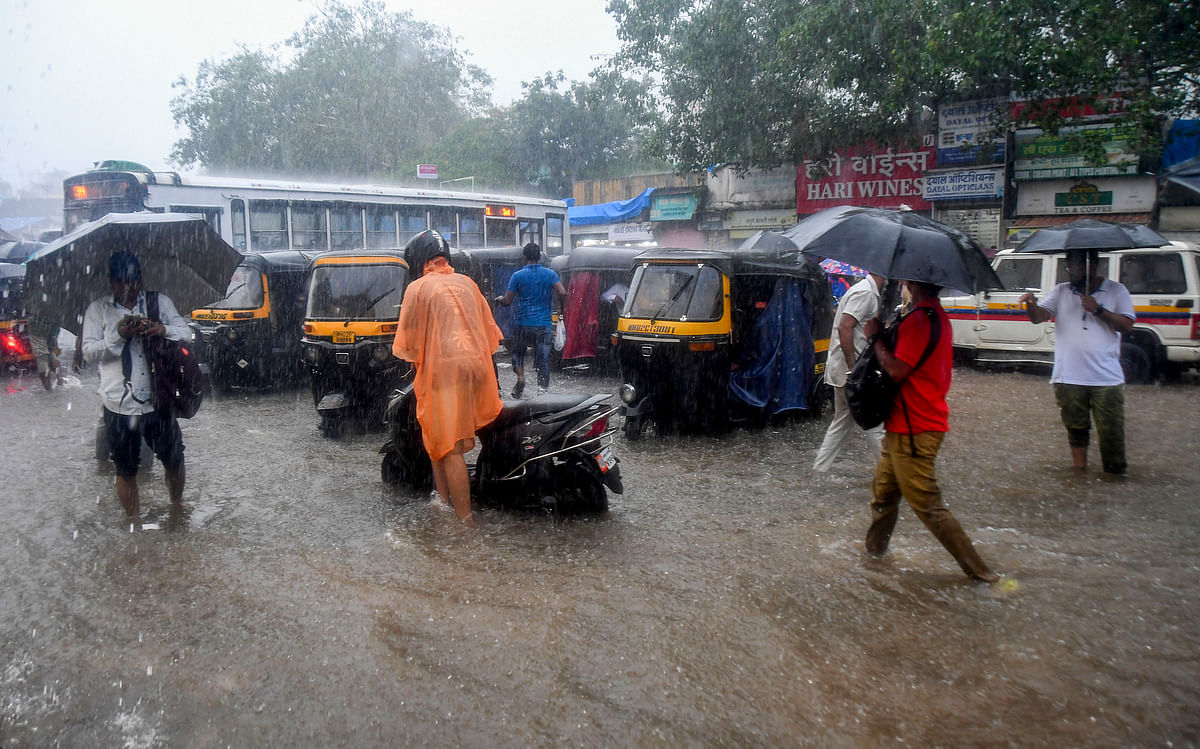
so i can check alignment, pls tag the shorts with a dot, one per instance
(125, 435)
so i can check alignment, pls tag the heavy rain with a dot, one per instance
(724, 599)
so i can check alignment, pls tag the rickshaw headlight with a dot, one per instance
(382, 352)
(312, 355)
(231, 334)
(628, 394)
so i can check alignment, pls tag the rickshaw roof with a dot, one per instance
(12, 270)
(601, 257)
(738, 262)
(497, 255)
(674, 255)
(280, 260)
(340, 256)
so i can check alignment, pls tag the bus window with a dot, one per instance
(268, 225)
(445, 222)
(308, 226)
(345, 226)
(554, 234)
(501, 232)
(470, 223)
(212, 216)
(381, 227)
(529, 230)
(237, 221)
(413, 221)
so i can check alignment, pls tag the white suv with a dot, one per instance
(991, 327)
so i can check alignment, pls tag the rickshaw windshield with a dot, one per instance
(356, 292)
(245, 290)
(675, 292)
(11, 303)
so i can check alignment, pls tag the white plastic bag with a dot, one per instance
(560, 335)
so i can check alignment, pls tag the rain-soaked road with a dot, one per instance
(725, 600)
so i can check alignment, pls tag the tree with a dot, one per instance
(772, 81)
(364, 92)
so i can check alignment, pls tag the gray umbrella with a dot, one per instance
(1090, 234)
(899, 245)
(180, 255)
(767, 240)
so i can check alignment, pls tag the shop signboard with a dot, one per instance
(637, 232)
(1039, 155)
(967, 184)
(980, 224)
(672, 207)
(755, 188)
(756, 220)
(868, 176)
(1081, 197)
(965, 133)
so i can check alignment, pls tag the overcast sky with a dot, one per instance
(85, 80)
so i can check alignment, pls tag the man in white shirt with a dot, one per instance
(114, 330)
(847, 340)
(1089, 383)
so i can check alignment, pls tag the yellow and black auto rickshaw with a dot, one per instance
(353, 304)
(597, 278)
(710, 338)
(251, 336)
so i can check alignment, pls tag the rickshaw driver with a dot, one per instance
(447, 331)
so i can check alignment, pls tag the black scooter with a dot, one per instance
(550, 452)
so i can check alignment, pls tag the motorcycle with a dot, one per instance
(550, 452)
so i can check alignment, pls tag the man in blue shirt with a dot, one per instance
(532, 286)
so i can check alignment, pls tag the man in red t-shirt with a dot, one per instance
(914, 430)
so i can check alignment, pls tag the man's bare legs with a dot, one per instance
(453, 482)
(127, 493)
(175, 482)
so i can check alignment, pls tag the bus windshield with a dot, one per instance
(675, 292)
(356, 292)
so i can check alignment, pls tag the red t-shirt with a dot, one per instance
(924, 392)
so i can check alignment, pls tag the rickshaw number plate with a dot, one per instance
(605, 459)
(343, 336)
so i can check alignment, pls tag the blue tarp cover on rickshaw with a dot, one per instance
(780, 353)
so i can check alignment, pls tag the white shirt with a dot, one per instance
(1086, 350)
(862, 302)
(102, 344)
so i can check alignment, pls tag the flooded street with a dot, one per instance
(725, 599)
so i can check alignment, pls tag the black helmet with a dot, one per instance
(421, 249)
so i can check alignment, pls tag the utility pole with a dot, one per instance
(445, 182)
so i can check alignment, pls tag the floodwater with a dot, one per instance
(725, 599)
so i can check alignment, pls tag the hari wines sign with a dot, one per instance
(866, 177)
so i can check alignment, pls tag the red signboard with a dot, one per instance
(427, 171)
(882, 178)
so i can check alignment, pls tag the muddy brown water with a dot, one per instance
(725, 599)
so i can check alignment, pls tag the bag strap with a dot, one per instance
(152, 305)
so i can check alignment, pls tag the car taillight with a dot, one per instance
(1196, 326)
(597, 428)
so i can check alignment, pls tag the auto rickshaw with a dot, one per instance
(349, 325)
(16, 351)
(492, 268)
(707, 339)
(597, 278)
(251, 336)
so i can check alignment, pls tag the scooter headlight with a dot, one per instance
(382, 352)
(628, 394)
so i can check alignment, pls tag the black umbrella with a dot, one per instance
(1090, 234)
(180, 255)
(899, 245)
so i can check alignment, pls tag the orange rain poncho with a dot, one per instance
(447, 331)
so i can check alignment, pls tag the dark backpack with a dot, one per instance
(870, 391)
(177, 385)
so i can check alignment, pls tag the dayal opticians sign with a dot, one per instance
(867, 177)
(960, 185)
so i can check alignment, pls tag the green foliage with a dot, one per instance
(363, 93)
(771, 81)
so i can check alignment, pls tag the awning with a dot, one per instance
(616, 212)
(1044, 221)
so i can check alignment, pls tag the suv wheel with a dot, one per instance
(1136, 363)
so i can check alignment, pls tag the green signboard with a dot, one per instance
(673, 207)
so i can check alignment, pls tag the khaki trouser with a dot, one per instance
(900, 474)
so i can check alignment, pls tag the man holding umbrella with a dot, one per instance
(115, 328)
(1091, 314)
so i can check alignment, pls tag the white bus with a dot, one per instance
(271, 214)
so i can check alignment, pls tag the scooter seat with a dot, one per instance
(520, 411)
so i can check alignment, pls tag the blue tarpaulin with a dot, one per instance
(778, 357)
(1183, 142)
(615, 212)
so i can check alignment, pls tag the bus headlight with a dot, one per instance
(628, 394)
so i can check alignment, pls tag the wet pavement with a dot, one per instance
(724, 600)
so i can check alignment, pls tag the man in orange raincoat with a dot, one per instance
(447, 331)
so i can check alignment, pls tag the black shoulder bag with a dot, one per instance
(177, 385)
(869, 389)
